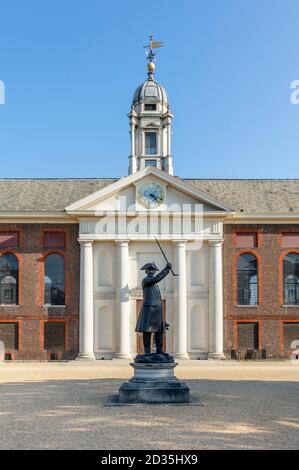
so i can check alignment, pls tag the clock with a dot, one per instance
(150, 194)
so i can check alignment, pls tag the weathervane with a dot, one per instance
(151, 55)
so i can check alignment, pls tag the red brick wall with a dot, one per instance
(31, 314)
(269, 313)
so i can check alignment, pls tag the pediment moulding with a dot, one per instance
(89, 203)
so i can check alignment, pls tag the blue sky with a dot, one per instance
(70, 68)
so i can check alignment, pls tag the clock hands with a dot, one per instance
(153, 196)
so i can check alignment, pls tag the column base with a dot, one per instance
(181, 356)
(125, 356)
(85, 357)
(216, 356)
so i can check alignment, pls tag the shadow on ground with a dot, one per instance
(58, 414)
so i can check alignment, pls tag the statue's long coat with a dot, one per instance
(150, 318)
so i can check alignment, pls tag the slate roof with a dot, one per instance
(245, 196)
(49, 195)
(254, 195)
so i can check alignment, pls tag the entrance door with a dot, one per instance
(140, 335)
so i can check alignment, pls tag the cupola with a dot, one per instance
(150, 121)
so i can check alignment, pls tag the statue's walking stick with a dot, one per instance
(174, 274)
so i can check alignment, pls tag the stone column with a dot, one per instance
(132, 139)
(86, 342)
(168, 139)
(180, 300)
(216, 300)
(132, 158)
(123, 301)
(133, 150)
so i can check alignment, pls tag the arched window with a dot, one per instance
(291, 279)
(9, 277)
(54, 280)
(247, 279)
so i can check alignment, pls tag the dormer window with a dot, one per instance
(150, 107)
(150, 143)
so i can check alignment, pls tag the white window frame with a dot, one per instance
(157, 143)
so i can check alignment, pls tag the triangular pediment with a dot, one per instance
(177, 192)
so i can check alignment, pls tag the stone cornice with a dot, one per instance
(270, 218)
(35, 216)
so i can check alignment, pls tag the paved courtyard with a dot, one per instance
(63, 406)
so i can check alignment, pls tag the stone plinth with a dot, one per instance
(154, 383)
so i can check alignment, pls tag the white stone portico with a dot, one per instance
(117, 237)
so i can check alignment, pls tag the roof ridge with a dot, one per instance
(56, 179)
(241, 179)
(117, 178)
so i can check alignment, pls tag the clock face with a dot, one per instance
(150, 194)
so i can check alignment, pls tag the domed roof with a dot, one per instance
(150, 89)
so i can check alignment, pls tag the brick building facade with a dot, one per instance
(31, 329)
(272, 318)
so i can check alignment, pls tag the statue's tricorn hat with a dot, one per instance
(149, 266)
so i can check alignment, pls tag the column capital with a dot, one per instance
(179, 242)
(215, 242)
(85, 242)
(122, 242)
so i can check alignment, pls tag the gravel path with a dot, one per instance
(62, 406)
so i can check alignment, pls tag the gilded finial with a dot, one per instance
(151, 67)
(151, 56)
